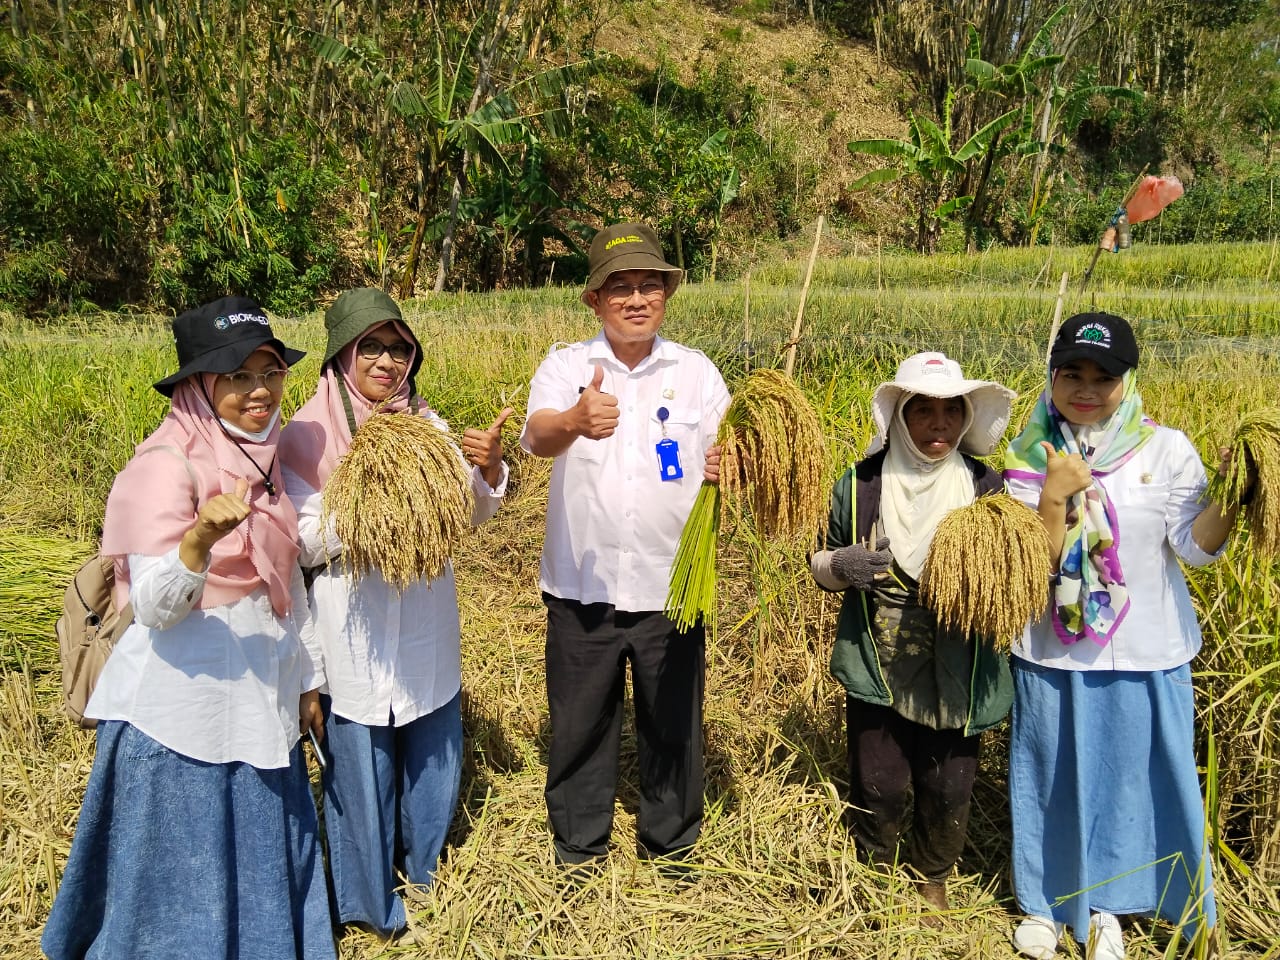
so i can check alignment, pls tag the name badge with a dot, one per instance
(669, 459)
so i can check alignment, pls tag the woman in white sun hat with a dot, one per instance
(917, 694)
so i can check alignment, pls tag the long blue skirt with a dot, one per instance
(1105, 797)
(177, 858)
(389, 797)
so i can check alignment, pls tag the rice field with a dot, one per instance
(775, 874)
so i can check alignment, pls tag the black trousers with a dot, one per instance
(890, 759)
(588, 647)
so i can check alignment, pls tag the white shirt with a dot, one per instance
(612, 521)
(1156, 496)
(387, 654)
(217, 685)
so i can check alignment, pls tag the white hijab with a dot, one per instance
(916, 492)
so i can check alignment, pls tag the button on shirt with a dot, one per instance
(217, 685)
(613, 523)
(390, 656)
(1157, 496)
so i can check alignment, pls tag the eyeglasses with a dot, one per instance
(372, 349)
(620, 292)
(245, 381)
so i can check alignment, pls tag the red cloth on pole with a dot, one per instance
(1152, 196)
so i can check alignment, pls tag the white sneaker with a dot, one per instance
(1037, 937)
(1105, 941)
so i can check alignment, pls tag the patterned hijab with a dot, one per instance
(1090, 598)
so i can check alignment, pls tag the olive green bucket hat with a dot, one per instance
(627, 246)
(355, 312)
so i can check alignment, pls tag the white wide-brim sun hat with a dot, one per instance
(937, 375)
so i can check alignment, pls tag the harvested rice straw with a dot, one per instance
(773, 460)
(1256, 443)
(400, 499)
(988, 568)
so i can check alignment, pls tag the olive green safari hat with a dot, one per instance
(356, 311)
(627, 246)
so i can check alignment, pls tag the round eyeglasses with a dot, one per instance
(246, 381)
(620, 291)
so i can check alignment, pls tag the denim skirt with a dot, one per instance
(174, 857)
(1105, 796)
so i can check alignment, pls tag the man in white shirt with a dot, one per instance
(630, 419)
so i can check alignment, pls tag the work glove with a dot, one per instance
(858, 566)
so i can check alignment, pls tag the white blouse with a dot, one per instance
(218, 685)
(390, 657)
(1157, 496)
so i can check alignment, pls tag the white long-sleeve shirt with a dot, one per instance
(1157, 496)
(613, 523)
(389, 656)
(217, 685)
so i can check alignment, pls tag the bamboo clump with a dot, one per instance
(987, 572)
(772, 462)
(400, 499)
(1256, 447)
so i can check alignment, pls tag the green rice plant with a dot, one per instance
(772, 462)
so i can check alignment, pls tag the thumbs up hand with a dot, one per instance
(484, 447)
(216, 518)
(597, 411)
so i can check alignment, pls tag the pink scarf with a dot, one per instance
(318, 435)
(152, 505)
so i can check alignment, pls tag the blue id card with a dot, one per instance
(669, 459)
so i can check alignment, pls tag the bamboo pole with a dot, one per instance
(1104, 242)
(746, 321)
(804, 295)
(1057, 316)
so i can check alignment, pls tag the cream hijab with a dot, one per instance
(917, 492)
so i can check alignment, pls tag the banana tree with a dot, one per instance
(932, 165)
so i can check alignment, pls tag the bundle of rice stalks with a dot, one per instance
(1256, 445)
(987, 573)
(773, 461)
(400, 499)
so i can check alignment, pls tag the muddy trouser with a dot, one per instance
(893, 760)
(588, 646)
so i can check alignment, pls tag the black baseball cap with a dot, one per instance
(218, 337)
(1104, 338)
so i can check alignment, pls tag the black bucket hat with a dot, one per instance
(356, 311)
(218, 338)
(1104, 338)
(627, 246)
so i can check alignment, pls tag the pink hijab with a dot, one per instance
(319, 435)
(152, 503)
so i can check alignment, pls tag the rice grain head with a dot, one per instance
(987, 572)
(1256, 443)
(400, 499)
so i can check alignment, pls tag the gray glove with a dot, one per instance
(858, 566)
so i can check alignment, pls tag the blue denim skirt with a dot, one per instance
(1105, 796)
(174, 857)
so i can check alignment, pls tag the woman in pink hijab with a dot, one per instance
(198, 837)
(393, 660)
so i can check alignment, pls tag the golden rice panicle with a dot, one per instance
(400, 499)
(987, 572)
(1257, 443)
(774, 456)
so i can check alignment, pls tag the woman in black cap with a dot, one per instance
(393, 658)
(197, 836)
(1104, 793)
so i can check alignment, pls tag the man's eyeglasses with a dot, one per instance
(245, 381)
(372, 349)
(620, 292)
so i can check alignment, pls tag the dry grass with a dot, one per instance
(400, 499)
(987, 572)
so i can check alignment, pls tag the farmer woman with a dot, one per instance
(1107, 814)
(197, 837)
(392, 658)
(917, 695)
